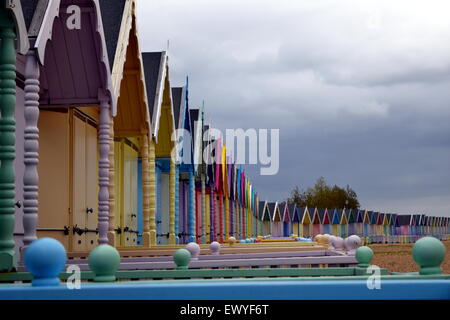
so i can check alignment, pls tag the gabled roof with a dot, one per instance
(306, 215)
(194, 115)
(29, 8)
(373, 217)
(417, 219)
(315, 216)
(423, 220)
(112, 15)
(262, 207)
(337, 214)
(21, 21)
(404, 219)
(351, 215)
(343, 217)
(321, 214)
(293, 210)
(177, 94)
(285, 213)
(360, 216)
(380, 218)
(395, 222)
(153, 62)
(366, 217)
(274, 211)
(387, 219)
(324, 216)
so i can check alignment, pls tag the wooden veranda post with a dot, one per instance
(172, 239)
(192, 236)
(103, 170)
(112, 203)
(152, 188)
(31, 149)
(203, 178)
(145, 191)
(8, 259)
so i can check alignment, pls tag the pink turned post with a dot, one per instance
(31, 149)
(215, 248)
(103, 170)
(194, 249)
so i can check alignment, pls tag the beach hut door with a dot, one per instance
(85, 183)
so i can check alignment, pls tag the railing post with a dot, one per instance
(203, 209)
(192, 237)
(145, 192)
(31, 149)
(152, 188)
(8, 259)
(227, 218)
(221, 216)
(177, 203)
(212, 212)
(231, 217)
(112, 201)
(103, 170)
(172, 239)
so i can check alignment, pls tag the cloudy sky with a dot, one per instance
(360, 90)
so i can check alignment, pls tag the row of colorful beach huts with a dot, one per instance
(286, 220)
(98, 146)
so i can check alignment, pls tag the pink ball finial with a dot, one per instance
(194, 249)
(214, 247)
(338, 243)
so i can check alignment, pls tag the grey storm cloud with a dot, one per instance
(359, 89)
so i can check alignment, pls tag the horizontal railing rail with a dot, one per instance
(230, 263)
(230, 289)
(230, 256)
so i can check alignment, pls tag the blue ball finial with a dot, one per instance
(45, 258)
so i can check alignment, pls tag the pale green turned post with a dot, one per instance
(8, 260)
(429, 253)
(364, 256)
(104, 261)
(182, 257)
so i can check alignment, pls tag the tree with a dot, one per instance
(321, 195)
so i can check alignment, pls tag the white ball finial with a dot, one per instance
(352, 243)
(194, 249)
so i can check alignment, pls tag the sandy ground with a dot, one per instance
(398, 257)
